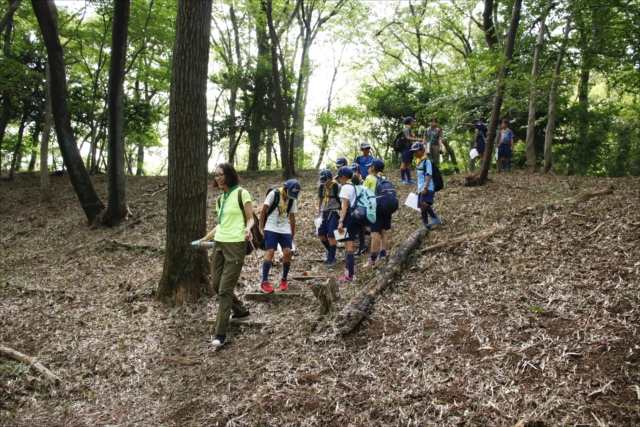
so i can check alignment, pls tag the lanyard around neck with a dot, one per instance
(225, 196)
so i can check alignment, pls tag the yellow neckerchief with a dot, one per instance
(410, 130)
(326, 194)
(284, 204)
(381, 175)
(503, 133)
(420, 159)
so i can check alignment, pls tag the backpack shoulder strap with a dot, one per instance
(276, 200)
(241, 206)
(336, 195)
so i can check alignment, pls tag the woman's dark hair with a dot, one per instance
(230, 175)
(433, 119)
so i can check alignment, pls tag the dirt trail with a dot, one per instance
(537, 323)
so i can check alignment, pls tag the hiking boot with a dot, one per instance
(412, 182)
(347, 278)
(240, 317)
(332, 263)
(219, 340)
(284, 285)
(266, 288)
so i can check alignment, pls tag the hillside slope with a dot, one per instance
(538, 322)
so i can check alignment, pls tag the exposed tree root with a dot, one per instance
(586, 196)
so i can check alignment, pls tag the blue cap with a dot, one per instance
(345, 171)
(342, 161)
(408, 120)
(364, 145)
(355, 168)
(324, 176)
(481, 118)
(293, 188)
(505, 121)
(377, 163)
(417, 146)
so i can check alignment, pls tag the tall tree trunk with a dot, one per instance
(269, 147)
(17, 156)
(531, 123)
(6, 93)
(184, 268)
(287, 166)
(34, 149)
(46, 13)
(45, 186)
(8, 16)
(140, 161)
(481, 178)
(261, 102)
(117, 204)
(490, 33)
(553, 94)
(233, 96)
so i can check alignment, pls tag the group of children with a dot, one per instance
(336, 199)
(505, 138)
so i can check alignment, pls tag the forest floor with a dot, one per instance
(535, 325)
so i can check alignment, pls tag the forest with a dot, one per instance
(522, 309)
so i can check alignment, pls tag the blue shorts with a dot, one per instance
(271, 240)
(480, 146)
(426, 198)
(329, 224)
(353, 231)
(383, 222)
(407, 156)
(504, 151)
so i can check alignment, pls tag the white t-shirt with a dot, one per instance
(348, 191)
(278, 221)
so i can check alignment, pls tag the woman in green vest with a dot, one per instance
(230, 239)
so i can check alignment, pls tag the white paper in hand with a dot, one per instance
(473, 154)
(412, 201)
(341, 236)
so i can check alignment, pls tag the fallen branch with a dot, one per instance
(354, 312)
(155, 192)
(586, 196)
(594, 230)
(31, 361)
(132, 246)
(115, 233)
(481, 235)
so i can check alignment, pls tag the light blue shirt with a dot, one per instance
(422, 170)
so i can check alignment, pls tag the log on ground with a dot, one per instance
(276, 296)
(350, 316)
(31, 361)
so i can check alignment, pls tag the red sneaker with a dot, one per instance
(284, 285)
(266, 288)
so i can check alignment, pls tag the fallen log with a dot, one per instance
(272, 297)
(132, 246)
(304, 278)
(31, 361)
(351, 315)
(586, 196)
(477, 236)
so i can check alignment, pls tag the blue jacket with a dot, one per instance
(362, 162)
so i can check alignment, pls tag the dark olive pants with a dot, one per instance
(226, 264)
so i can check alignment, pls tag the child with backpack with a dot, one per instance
(426, 186)
(278, 224)
(433, 137)
(505, 149)
(357, 180)
(379, 230)
(346, 222)
(364, 159)
(329, 206)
